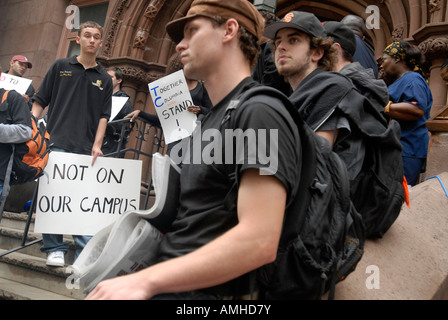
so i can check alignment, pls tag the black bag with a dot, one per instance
(322, 239)
(380, 189)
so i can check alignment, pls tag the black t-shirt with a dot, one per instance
(78, 99)
(113, 131)
(205, 212)
(200, 98)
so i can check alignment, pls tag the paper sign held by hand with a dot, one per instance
(117, 104)
(10, 82)
(76, 198)
(171, 99)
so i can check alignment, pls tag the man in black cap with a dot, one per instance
(333, 107)
(225, 227)
(364, 79)
(305, 56)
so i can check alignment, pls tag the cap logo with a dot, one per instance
(288, 17)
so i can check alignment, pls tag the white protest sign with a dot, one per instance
(10, 82)
(75, 198)
(117, 104)
(171, 98)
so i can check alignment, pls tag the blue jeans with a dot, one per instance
(412, 169)
(54, 242)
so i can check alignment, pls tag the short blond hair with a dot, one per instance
(90, 24)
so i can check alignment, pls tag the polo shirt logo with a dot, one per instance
(65, 73)
(98, 84)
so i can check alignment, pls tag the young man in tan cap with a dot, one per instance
(223, 230)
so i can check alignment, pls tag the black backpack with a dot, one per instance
(380, 189)
(322, 239)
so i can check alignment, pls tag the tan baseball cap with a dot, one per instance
(241, 10)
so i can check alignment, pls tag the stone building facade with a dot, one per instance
(135, 38)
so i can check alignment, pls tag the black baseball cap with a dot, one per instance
(300, 20)
(341, 34)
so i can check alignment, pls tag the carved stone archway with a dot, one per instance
(136, 39)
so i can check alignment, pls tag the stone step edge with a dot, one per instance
(38, 265)
(17, 233)
(13, 290)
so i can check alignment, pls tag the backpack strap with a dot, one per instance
(5, 96)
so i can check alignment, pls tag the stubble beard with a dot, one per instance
(294, 72)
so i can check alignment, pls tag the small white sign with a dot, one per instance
(117, 104)
(75, 198)
(10, 82)
(171, 99)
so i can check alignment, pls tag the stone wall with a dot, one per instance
(411, 261)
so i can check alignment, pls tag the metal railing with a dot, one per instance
(148, 137)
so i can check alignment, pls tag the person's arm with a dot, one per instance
(152, 119)
(20, 128)
(37, 110)
(133, 115)
(404, 111)
(14, 133)
(96, 149)
(249, 245)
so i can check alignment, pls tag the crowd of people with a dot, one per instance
(224, 230)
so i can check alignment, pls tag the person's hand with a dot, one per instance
(133, 115)
(129, 287)
(195, 109)
(96, 152)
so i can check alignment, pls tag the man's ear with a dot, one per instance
(231, 28)
(317, 54)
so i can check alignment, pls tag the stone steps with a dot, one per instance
(23, 273)
(12, 290)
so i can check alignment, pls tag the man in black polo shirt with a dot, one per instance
(79, 95)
